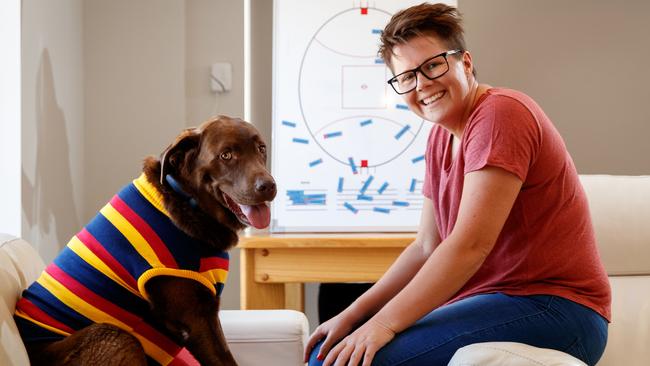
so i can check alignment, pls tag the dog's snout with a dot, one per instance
(265, 186)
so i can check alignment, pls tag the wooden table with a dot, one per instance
(274, 267)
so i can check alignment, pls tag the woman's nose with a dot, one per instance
(421, 81)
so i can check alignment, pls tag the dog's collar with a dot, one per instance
(177, 188)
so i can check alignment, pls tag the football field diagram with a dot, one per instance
(348, 154)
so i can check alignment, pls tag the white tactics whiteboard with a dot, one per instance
(348, 155)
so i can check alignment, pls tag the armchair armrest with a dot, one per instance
(266, 337)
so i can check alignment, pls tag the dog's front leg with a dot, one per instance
(189, 311)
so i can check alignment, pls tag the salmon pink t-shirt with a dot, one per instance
(547, 244)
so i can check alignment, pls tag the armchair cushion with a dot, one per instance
(510, 354)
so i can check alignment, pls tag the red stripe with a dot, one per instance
(113, 310)
(40, 316)
(213, 263)
(94, 246)
(184, 358)
(146, 231)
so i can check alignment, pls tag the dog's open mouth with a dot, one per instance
(258, 216)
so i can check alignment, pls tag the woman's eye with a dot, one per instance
(406, 78)
(262, 149)
(226, 155)
(432, 66)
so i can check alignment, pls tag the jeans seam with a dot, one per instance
(546, 310)
(580, 349)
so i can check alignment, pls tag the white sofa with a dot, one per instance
(620, 209)
(256, 337)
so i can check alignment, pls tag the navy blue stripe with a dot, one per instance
(99, 283)
(52, 306)
(116, 244)
(208, 251)
(219, 287)
(30, 332)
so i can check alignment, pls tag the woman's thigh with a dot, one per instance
(540, 320)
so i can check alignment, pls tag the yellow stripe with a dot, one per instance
(150, 193)
(89, 311)
(184, 273)
(87, 255)
(216, 275)
(132, 235)
(23, 315)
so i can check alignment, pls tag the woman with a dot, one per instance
(505, 250)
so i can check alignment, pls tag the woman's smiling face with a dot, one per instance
(445, 100)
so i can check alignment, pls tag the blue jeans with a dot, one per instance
(539, 320)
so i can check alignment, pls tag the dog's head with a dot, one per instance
(222, 166)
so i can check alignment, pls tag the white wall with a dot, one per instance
(10, 117)
(52, 123)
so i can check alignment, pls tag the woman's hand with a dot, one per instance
(332, 330)
(361, 345)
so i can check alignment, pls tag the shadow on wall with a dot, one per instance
(48, 202)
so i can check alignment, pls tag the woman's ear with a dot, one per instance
(175, 155)
(468, 65)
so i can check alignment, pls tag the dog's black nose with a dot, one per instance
(265, 186)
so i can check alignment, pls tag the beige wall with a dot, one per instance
(134, 85)
(214, 33)
(52, 123)
(584, 61)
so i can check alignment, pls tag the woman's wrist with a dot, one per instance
(357, 312)
(382, 324)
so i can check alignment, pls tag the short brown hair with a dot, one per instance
(440, 20)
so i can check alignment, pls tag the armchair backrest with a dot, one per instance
(620, 210)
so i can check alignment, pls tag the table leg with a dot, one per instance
(256, 295)
(294, 296)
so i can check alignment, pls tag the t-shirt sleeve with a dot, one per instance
(503, 133)
(428, 155)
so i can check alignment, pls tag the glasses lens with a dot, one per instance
(435, 67)
(404, 82)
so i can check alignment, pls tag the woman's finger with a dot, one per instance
(313, 339)
(368, 355)
(332, 355)
(355, 358)
(344, 355)
(327, 344)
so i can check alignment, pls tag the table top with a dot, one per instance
(326, 240)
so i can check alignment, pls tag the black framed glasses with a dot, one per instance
(432, 68)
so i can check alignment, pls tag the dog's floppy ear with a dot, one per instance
(175, 154)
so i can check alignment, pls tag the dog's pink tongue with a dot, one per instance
(259, 215)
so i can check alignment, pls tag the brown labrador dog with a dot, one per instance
(213, 182)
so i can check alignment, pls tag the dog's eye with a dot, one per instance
(262, 149)
(226, 155)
